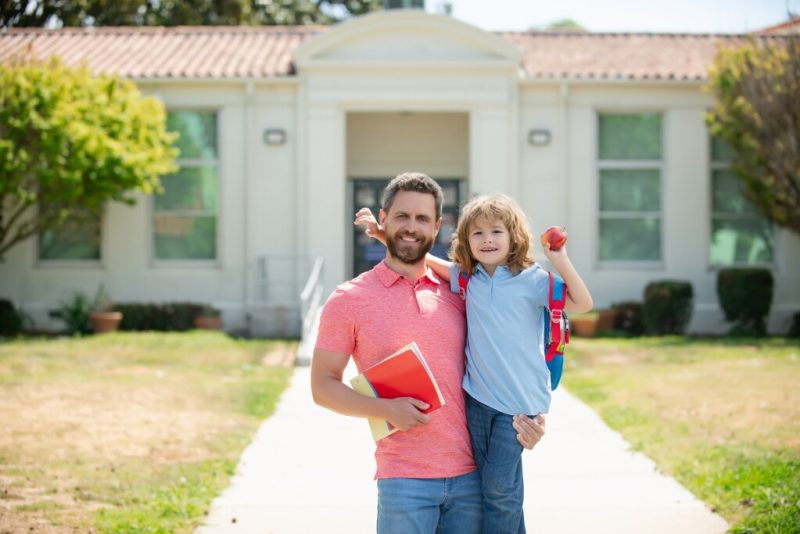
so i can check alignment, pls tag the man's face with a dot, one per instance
(411, 226)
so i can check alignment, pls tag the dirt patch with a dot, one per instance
(51, 430)
(68, 444)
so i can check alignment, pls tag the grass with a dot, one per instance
(127, 432)
(722, 416)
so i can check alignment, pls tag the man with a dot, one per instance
(427, 480)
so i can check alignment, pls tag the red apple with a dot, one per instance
(556, 236)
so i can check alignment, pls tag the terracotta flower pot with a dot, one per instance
(204, 322)
(105, 321)
(584, 325)
(606, 320)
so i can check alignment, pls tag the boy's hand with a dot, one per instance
(555, 255)
(365, 218)
(530, 429)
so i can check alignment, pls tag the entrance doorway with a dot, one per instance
(382, 144)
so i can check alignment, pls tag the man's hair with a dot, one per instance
(500, 208)
(413, 181)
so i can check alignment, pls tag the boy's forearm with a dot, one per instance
(439, 266)
(579, 299)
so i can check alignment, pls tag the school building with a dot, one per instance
(286, 131)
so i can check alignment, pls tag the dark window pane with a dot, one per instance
(720, 151)
(741, 241)
(198, 133)
(191, 188)
(729, 195)
(630, 190)
(629, 136)
(636, 239)
(71, 241)
(179, 237)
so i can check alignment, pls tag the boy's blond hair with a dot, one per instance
(491, 208)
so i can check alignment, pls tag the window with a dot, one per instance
(72, 241)
(629, 162)
(740, 234)
(185, 214)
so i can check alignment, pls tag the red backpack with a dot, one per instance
(556, 324)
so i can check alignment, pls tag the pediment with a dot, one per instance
(405, 37)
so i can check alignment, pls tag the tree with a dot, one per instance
(70, 142)
(757, 113)
(564, 25)
(179, 12)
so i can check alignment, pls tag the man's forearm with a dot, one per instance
(333, 394)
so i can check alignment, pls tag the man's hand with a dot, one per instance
(365, 218)
(405, 414)
(529, 429)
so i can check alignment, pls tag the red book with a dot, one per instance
(402, 374)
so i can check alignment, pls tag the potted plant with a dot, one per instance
(584, 324)
(103, 317)
(606, 319)
(209, 318)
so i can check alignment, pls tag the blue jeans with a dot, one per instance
(498, 456)
(430, 505)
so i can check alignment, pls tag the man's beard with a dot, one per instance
(408, 253)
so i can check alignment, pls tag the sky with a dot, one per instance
(673, 16)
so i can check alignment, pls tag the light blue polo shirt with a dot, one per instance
(506, 369)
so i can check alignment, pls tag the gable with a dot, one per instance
(405, 36)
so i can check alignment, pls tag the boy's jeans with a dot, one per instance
(430, 505)
(498, 456)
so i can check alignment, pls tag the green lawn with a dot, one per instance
(722, 416)
(127, 432)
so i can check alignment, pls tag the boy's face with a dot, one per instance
(411, 226)
(489, 243)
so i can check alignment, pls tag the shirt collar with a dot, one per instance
(501, 272)
(389, 277)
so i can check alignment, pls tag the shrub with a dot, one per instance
(169, 316)
(629, 317)
(667, 307)
(10, 319)
(745, 296)
(794, 330)
(75, 314)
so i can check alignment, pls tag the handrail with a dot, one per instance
(310, 305)
(313, 278)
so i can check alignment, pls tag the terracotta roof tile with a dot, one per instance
(631, 56)
(230, 52)
(158, 52)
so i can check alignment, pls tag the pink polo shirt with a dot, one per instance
(379, 312)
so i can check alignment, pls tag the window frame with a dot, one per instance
(629, 164)
(725, 165)
(202, 263)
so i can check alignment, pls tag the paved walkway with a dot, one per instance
(310, 471)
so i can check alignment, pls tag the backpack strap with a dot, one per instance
(463, 282)
(556, 332)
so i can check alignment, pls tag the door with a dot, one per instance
(368, 252)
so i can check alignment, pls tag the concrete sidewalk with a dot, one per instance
(310, 471)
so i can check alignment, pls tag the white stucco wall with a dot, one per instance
(559, 185)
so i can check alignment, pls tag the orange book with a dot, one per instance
(402, 374)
